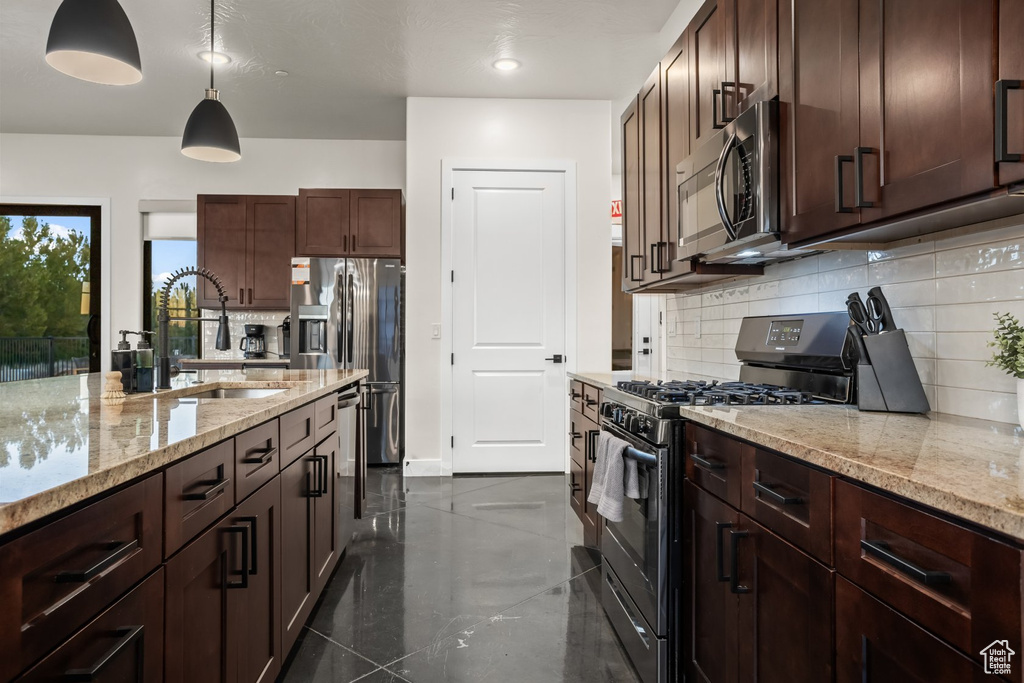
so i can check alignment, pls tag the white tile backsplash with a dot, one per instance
(236, 322)
(943, 293)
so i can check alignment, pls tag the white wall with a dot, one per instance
(127, 169)
(943, 293)
(442, 128)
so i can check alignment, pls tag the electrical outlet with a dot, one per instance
(435, 330)
(696, 329)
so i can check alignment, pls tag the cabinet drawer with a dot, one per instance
(576, 395)
(55, 579)
(577, 435)
(297, 433)
(791, 499)
(257, 458)
(874, 644)
(715, 462)
(591, 402)
(197, 492)
(960, 585)
(125, 643)
(325, 417)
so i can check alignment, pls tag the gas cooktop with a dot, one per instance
(662, 399)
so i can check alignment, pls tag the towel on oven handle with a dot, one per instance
(615, 477)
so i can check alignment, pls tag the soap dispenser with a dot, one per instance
(144, 362)
(123, 359)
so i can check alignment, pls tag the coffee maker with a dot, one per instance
(254, 344)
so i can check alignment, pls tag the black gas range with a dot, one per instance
(786, 361)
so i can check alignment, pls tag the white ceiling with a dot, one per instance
(351, 63)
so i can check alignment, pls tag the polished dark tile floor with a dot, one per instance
(463, 579)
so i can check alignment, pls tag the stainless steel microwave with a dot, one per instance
(728, 190)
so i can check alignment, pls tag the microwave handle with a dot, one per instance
(730, 229)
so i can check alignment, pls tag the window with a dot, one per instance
(49, 290)
(162, 258)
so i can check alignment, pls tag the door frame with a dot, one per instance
(448, 169)
(105, 263)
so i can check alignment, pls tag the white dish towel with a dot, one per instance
(615, 477)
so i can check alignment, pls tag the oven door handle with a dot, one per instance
(723, 212)
(645, 449)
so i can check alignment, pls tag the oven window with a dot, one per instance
(638, 515)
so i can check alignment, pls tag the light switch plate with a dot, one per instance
(696, 328)
(435, 330)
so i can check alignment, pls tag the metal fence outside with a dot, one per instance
(37, 357)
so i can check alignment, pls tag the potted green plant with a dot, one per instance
(1009, 354)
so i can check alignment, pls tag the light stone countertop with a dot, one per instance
(973, 469)
(59, 444)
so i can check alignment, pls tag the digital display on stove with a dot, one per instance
(784, 333)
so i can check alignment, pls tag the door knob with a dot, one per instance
(557, 358)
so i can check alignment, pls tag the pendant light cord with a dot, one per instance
(211, 43)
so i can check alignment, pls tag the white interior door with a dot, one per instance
(508, 319)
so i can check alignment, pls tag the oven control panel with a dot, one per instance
(635, 422)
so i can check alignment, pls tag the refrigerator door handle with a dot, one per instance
(349, 319)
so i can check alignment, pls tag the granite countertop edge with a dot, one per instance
(1004, 515)
(25, 511)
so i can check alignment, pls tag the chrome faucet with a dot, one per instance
(163, 317)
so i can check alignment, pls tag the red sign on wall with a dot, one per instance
(617, 208)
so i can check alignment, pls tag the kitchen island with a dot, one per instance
(209, 517)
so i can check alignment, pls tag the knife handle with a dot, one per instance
(854, 332)
(884, 313)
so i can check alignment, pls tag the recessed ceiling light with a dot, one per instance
(749, 253)
(506, 64)
(217, 58)
(281, 72)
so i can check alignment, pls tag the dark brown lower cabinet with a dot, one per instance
(326, 511)
(199, 643)
(761, 610)
(875, 644)
(310, 509)
(256, 611)
(125, 643)
(714, 611)
(222, 598)
(296, 548)
(785, 608)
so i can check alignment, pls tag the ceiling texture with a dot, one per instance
(350, 63)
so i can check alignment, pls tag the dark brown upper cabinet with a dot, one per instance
(376, 223)
(652, 176)
(926, 105)
(887, 109)
(751, 53)
(248, 242)
(819, 115)
(707, 72)
(350, 223)
(632, 211)
(322, 222)
(675, 140)
(1010, 92)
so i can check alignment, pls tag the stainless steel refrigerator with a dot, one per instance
(349, 313)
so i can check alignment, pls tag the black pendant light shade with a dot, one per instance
(210, 133)
(94, 41)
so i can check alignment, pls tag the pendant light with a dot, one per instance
(94, 41)
(210, 133)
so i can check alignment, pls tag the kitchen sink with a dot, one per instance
(237, 392)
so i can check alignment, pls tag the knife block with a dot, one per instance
(890, 383)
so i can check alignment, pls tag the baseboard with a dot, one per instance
(422, 468)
